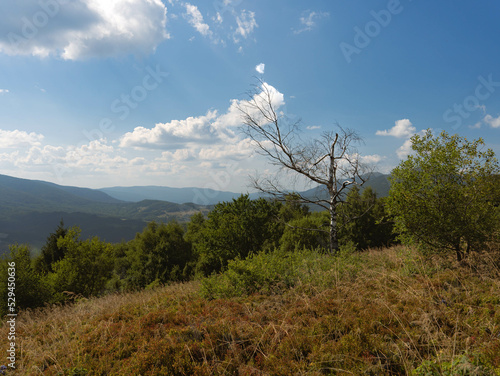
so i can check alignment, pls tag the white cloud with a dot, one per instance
(246, 24)
(260, 68)
(241, 150)
(308, 21)
(493, 122)
(402, 129)
(46, 155)
(313, 127)
(17, 138)
(218, 18)
(82, 28)
(179, 155)
(405, 150)
(4, 91)
(277, 101)
(195, 19)
(173, 134)
(192, 151)
(202, 130)
(375, 158)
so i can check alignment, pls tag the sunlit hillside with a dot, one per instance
(380, 312)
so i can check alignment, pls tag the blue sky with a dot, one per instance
(143, 92)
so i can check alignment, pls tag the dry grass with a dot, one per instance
(384, 312)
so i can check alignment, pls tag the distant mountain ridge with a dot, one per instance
(204, 196)
(31, 209)
(200, 196)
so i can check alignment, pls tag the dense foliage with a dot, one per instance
(444, 196)
(236, 229)
(70, 268)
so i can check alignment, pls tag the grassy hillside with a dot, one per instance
(381, 312)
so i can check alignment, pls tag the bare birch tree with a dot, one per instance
(330, 161)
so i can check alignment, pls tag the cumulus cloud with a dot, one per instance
(46, 155)
(176, 150)
(179, 155)
(308, 21)
(372, 159)
(195, 19)
(493, 122)
(3, 91)
(405, 150)
(260, 68)
(402, 129)
(17, 138)
(174, 134)
(237, 151)
(211, 128)
(81, 29)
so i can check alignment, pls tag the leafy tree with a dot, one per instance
(237, 229)
(85, 268)
(51, 252)
(442, 197)
(364, 220)
(194, 227)
(293, 208)
(305, 232)
(120, 269)
(159, 254)
(30, 290)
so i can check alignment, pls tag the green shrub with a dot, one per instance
(28, 287)
(306, 232)
(235, 229)
(274, 272)
(86, 267)
(460, 366)
(160, 253)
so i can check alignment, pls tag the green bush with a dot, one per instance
(86, 267)
(274, 272)
(158, 255)
(460, 366)
(236, 229)
(444, 196)
(306, 232)
(29, 289)
(363, 220)
(51, 252)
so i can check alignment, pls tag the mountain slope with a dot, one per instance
(177, 195)
(31, 209)
(24, 194)
(377, 181)
(382, 312)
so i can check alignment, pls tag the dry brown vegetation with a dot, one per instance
(381, 312)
